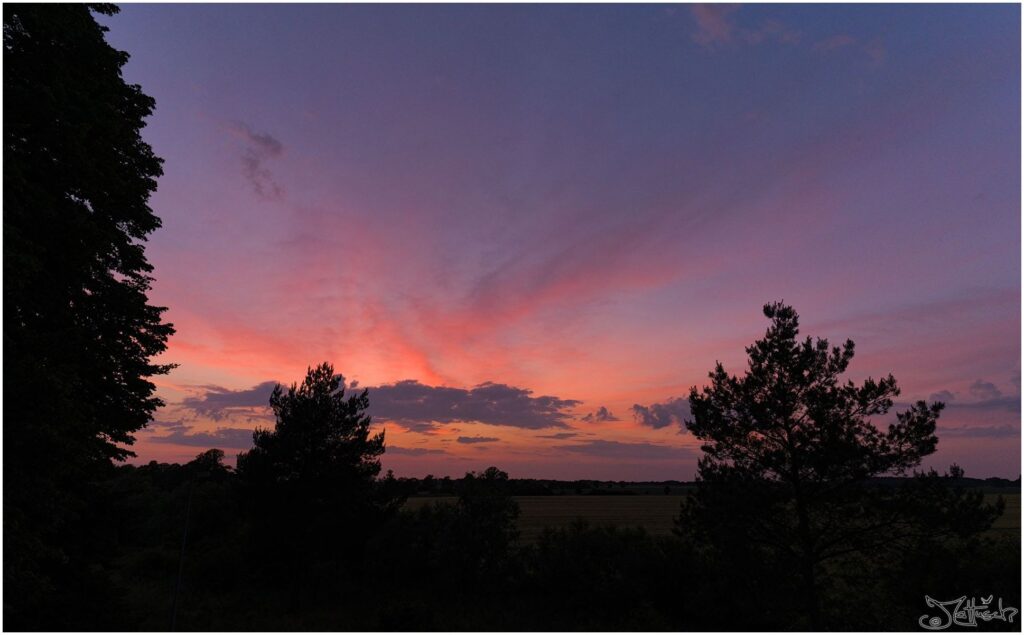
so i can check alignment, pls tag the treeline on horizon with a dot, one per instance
(795, 521)
(440, 486)
(430, 485)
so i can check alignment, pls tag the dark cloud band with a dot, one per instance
(661, 415)
(470, 440)
(416, 407)
(218, 403)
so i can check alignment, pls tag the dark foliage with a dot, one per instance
(79, 333)
(467, 547)
(311, 486)
(437, 568)
(789, 451)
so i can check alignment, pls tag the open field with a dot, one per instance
(655, 513)
(1010, 520)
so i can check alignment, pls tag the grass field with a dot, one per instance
(1010, 520)
(654, 513)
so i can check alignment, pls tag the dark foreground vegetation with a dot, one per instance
(460, 566)
(787, 527)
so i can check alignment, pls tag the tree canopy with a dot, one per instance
(312, 481)
(321, 438)
(790, 418)
(788, 451)
(79, 331)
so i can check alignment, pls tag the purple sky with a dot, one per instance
(530, 229)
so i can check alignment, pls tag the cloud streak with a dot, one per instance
(1007, 404)
(396, 450)
(984, 397)
(233, 438)
(981, 432)
(259, 148)
(716, 26)
(558, 435)
(629, 451)
(472, 440)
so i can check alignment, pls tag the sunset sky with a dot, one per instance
(528, 230)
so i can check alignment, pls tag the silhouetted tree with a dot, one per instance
(955, 471)
(488, 528)
(486, 498)
(209, 464)
(79, 332)
(788, 451)
(428, 483)
(313, 477)
(320, 440)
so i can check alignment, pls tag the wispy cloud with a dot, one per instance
(989, 432)
(471, 440)
(259, 148)
(558, 435)
(716, 26)
(394, 449)
(234, 438)
(1003, 403)
(601, 415)
(167, 423)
